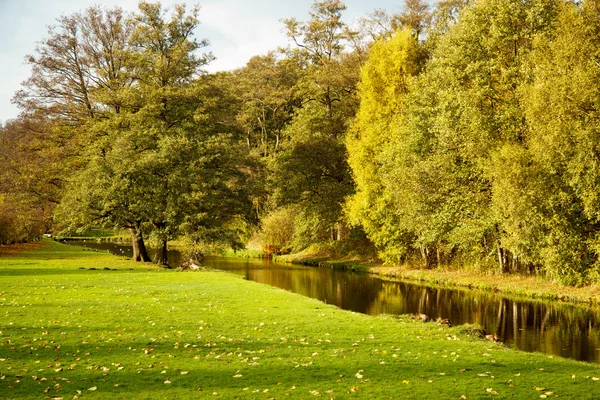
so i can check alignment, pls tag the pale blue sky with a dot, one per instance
(237, 30)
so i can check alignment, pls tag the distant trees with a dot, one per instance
(28, 187)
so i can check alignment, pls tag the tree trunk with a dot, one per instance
(340, 231)
(140, 253)
(161, 253)
(502, 259)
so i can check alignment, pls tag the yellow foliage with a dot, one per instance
(384, 82)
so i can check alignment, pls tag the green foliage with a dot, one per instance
(167, 161)
(561, 105)
(458, 112)
(266, 87)
(277, 231)
(476, 143)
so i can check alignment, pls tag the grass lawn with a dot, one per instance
(138, 332)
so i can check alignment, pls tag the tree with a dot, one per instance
(311, 169)
(81, 76)
(382, 89)
(561, 105)
(166, 159)
(459, 113)
(415, 16)
(28, 182)
(267, 90)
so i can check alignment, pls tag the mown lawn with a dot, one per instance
(138, 332)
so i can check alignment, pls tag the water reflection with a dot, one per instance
(548, 327)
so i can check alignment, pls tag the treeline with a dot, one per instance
(487, 152)
(466, 133)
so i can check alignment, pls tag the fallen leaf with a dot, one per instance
(93, 388)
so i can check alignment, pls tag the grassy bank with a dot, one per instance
(326, 257)
(528, 286)
(81, 324)
(516, 285)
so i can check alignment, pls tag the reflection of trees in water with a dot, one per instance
(348, 291)
(552, 328)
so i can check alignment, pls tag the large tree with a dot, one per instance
(157, 144)
(311, 170)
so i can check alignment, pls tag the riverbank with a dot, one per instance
(82, 324)
(514, 285)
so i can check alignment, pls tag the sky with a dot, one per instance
(236, 30)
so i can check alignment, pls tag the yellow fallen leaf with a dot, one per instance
(237, 376)
(185, 372)
(539, 389)
(93, 388)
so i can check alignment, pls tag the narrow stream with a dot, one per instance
(571, 331)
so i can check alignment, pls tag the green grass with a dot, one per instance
(135, 331)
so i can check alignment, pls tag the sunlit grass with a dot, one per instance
(136, 331)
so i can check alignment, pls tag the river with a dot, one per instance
(555, 328)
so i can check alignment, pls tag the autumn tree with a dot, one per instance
(384, 83)
(463, 109)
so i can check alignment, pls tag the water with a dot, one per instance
(550, 327)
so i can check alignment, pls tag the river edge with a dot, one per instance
(514, 285)
(236, 339)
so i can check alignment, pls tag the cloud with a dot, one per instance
(239, 30)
